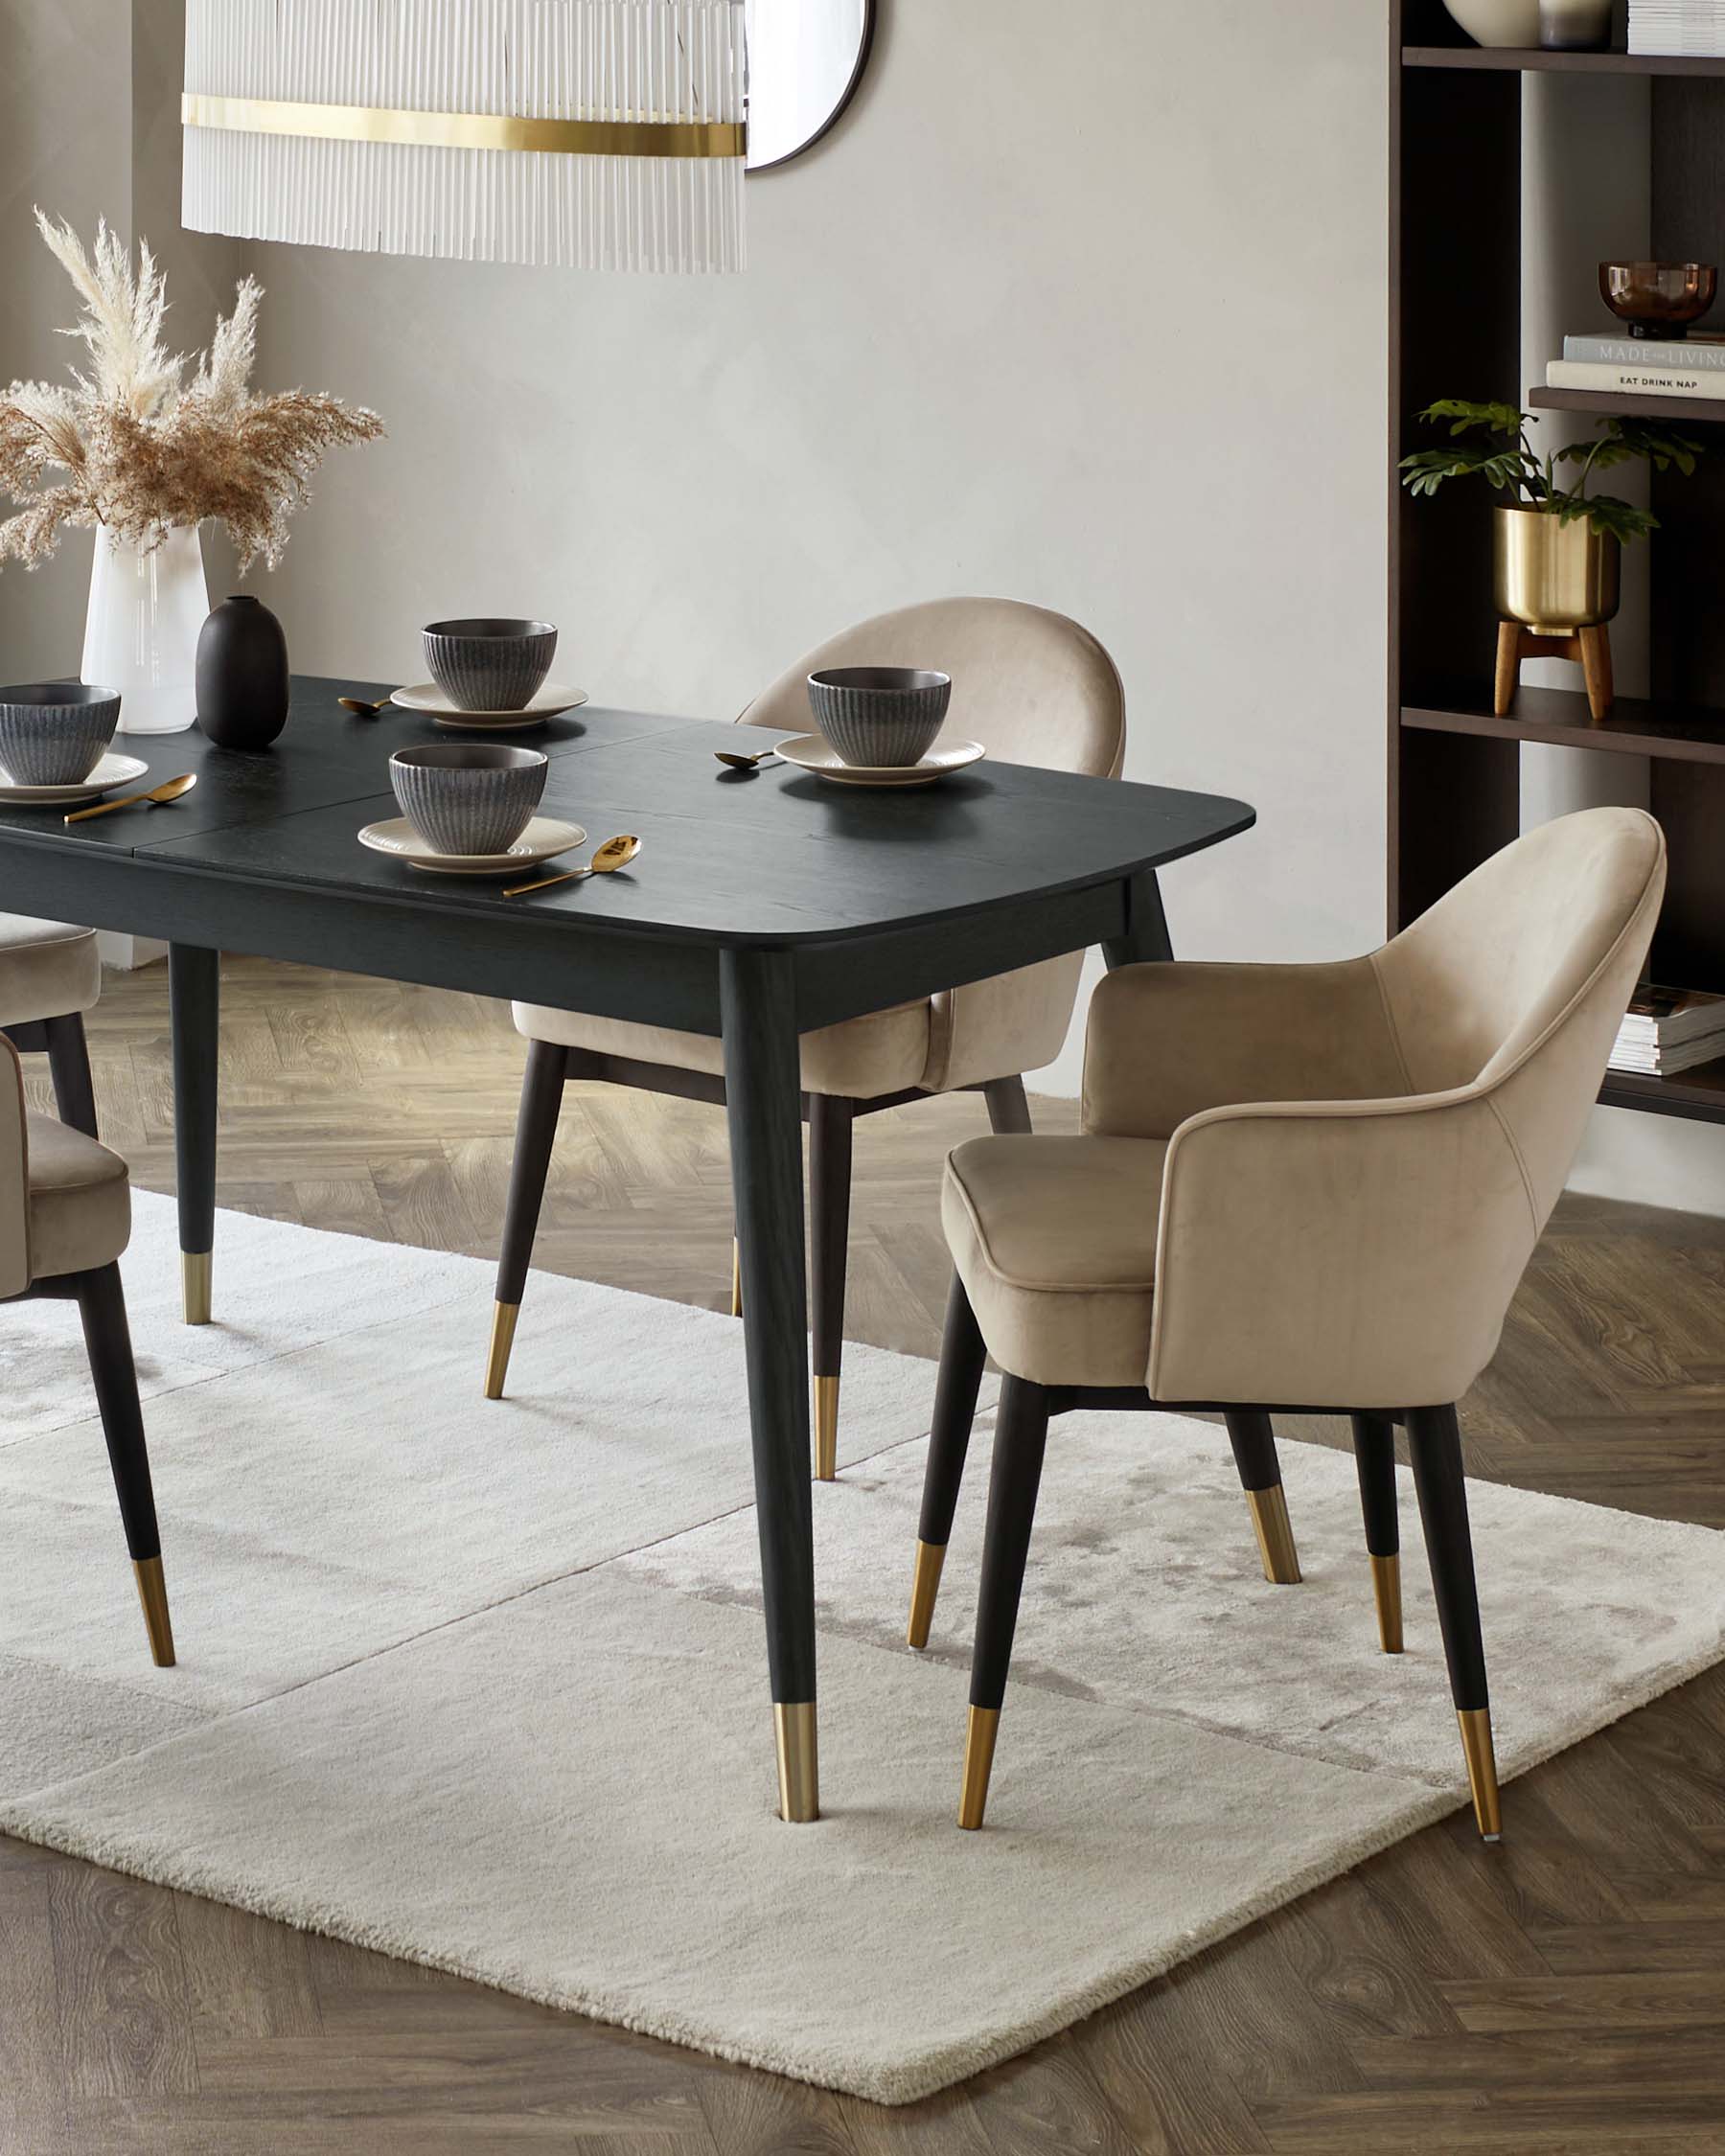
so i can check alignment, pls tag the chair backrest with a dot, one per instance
(15, 1176)
(1031, 686)
(1518, 978)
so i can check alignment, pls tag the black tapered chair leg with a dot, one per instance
(1374, 1458)
(1435, 1445)
(535, 1132)
(962, 1356)
(1008, 1111)
(69, 1065)
(1253, 1439)
(102, 1307)
(1020, 1438)
(831, 1122)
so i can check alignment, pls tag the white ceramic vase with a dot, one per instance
(1498, 22)
(141, 631)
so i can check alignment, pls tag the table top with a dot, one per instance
(775, 857)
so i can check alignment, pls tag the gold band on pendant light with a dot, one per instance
(469, 130)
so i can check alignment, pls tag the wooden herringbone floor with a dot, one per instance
(1563, 1992)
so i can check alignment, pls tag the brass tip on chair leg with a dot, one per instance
(798, 1761)
(736, 1278)
(1481, 1770)
(1274, 1535)
(978, 1764)
(925, 1586)
(153, 1594)
(195, 1285)
(1385, 1587)
(826, 1428)
(502, 1339)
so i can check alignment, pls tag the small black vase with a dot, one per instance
(242, 675)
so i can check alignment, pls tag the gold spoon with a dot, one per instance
(615, 852)
(746, 763)
(365, 710)
(169, 789)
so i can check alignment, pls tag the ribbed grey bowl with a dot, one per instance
(469, 797)
(490, 663)
(884, 716)
(52, 733)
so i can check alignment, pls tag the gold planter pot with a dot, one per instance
(1553, 578)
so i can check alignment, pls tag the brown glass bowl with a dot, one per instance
(1658, 299)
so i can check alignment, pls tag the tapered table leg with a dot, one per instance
(193, 997)
(1145, 940)
(762, 1081)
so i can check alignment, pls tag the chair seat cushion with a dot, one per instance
(47, 970)
(1054, 1239)
(79, 1200)
(860, 1059)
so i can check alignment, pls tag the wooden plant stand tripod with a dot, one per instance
(1589, 648)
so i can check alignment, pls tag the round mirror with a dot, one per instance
(805, 59)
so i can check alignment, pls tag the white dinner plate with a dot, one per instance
(543, 839)
(112, 771)
(814, 753)
(552, 698)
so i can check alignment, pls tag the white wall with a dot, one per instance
(1081, 304)
(65, 75)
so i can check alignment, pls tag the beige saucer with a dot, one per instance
(551, 698)
(111, 771)
(543, 839)
(814, 753)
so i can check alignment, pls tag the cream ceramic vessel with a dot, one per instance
(1498, 22)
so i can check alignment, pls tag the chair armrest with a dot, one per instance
(15, 1176)
(1165, 1042)
(1339, 1254)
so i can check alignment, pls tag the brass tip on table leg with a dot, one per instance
(1481, 1770)
(153, 1594)
(504, 1332)
(195, 1285)
(978, 1764)
(826, 1428)
(736, 1278)
(798, 1761)
(1385, 1587)
(925, 1586)
(1274, 1535)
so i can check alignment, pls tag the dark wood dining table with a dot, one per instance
(760, 906)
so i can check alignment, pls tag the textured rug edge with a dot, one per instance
(939, 2067)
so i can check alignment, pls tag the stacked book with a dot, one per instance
(1670, 1029)
(1677, 26)
(1692, 367)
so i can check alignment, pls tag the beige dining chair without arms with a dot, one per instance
(50, 975)
(1034, 688)
(1305, 1187)
(65, 1216)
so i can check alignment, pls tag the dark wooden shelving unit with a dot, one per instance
(1519, 60)
(1560, 718)
(1456, 285)
(1687, 411)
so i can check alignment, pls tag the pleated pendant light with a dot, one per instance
(588, 134)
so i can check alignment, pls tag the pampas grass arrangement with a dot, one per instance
(143, 439)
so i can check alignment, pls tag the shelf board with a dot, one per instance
(1531, 61)
(1698, 1093)
(1680, 733)
(1692, 411)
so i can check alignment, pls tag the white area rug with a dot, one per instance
(484, 1686)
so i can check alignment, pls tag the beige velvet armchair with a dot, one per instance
(1300, 1186)
(65, 1216)
(1034, 687)
(50, 975)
